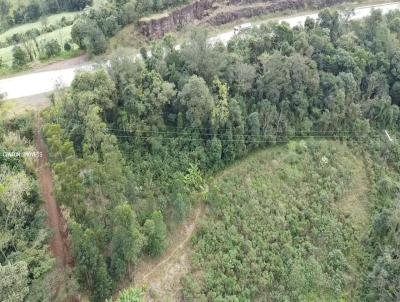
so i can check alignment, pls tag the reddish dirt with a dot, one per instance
(59, 243)
(63, 64)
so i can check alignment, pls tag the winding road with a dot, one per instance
(42, 82)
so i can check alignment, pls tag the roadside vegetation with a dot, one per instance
(102, 21)
(44, 25)
(34, 38)
(98, 24)
(54, 36)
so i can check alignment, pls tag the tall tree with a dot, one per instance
(127, 241)
(196, 102)
(155, 230)
(91, 267)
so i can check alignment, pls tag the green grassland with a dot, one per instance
(61, 35)
(282, 225)
(6, 55)
(51, 20)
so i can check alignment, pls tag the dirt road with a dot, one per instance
(58, 244)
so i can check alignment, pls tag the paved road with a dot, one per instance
(359, 13)
(44, 82)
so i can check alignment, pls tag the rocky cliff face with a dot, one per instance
(265, 7)
(229, 11)
(245, 2)
(310, 3)
(158, 27)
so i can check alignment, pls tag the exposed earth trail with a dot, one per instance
(161, 277)
(55, 221)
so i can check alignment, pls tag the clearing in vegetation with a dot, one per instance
(256, 209)
(162, 277)
(275, 227)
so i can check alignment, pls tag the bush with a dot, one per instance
(131, 295)
(155, 231)
(20, 57)
(52, 48)
(67, 46)
(87, 34)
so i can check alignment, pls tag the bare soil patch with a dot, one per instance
(59, 245)
(162, 276)
(64, 64)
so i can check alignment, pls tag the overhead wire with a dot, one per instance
(281, 137)
(208, 128)
(136, 131)
(148, 134)
(277, 140)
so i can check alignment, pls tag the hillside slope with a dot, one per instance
(268, 219)
(279, 227)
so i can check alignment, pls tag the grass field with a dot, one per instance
(62, 35)
(6, 55)
(11, 109)
(51, 20)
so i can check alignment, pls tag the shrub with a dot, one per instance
(132, 295)
(67, 46)
(87, 34)
(52, 48)
(20, 57)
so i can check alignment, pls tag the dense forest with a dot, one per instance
(131, 144)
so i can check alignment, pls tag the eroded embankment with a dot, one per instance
(218, 12)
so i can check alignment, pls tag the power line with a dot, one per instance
(277, 133)
(278, 140)
(331, 132)
(199, 128)
(343, 135)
